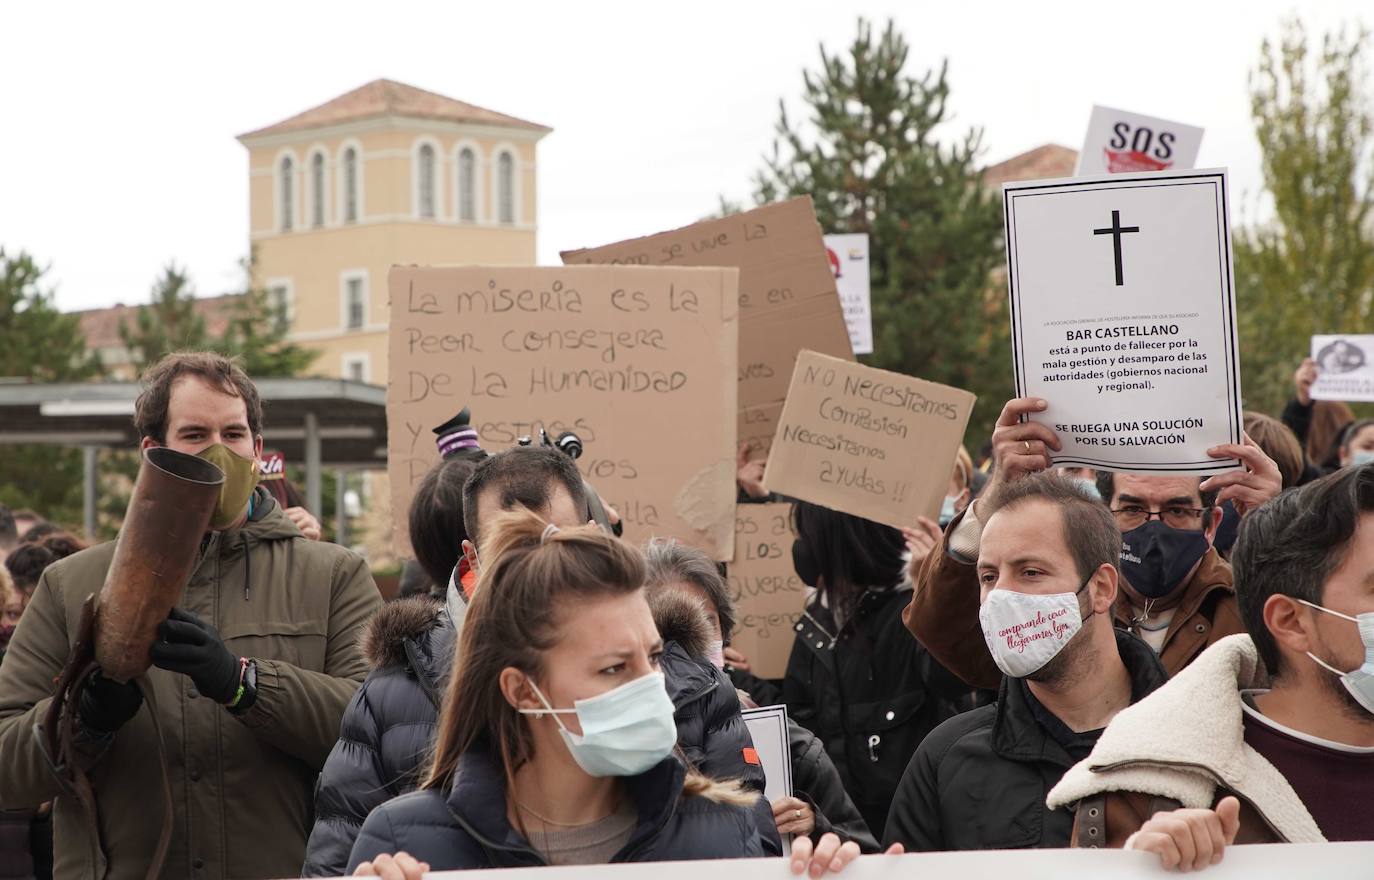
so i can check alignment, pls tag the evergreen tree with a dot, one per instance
(1310, 268)
(170, 322)
(257, 333)
(871, 157)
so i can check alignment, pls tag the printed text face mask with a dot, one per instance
(1360, 681)
(1024, 631)
(240, 478)
(625, 731)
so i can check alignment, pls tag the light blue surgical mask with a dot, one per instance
(947, 511)
(1364, 456)
(1089, 486)
(1360, 682)
(625, 731)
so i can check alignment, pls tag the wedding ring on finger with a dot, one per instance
(1026, 443)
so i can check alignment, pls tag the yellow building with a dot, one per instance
(385, 174)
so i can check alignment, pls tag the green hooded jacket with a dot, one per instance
(242, 786)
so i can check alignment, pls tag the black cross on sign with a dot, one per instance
(1115, 231)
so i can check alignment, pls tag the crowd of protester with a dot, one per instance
(1062, 658)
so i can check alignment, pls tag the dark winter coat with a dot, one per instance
(816, 781)
(467, 827)
(388, 729)
(980, 780)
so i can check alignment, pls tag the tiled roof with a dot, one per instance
(1041, 163)
(384, 97)
(101, 326)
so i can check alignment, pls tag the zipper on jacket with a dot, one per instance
(1206, 771)
(700, 694)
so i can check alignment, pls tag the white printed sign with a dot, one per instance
(1268, 861)
(848, 254)
(1345, 367)
(1123, 317)
(1119, 142)
(768, 729)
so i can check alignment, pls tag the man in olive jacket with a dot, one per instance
(252, 670)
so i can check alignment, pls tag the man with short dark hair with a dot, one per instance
(1176, 590)
(1048, 581)
(538, 477)
(251, 671)
(1268, 736)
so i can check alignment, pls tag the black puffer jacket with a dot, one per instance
(980, 780)
(871, 693)
(466, 827)
(388, 729)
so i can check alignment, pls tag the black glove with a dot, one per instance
(186, 645)
(106, 705)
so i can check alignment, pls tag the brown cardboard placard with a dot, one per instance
(768, 595)
(639, 362)
(788, 300)
(865, 441)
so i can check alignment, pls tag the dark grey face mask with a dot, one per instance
(1155, 558)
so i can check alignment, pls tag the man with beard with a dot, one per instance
(1048, 580)
(1267, 737)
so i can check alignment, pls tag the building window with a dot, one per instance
(425, 173)
(317, 190)
(350, 184)
(505, 188)
(354, 300)
(356, 367)
(280, 305)
(467, 185)
(287, 191)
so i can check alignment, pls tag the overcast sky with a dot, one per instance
(118, 152)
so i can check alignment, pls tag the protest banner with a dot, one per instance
(764, 586)
(865, 441)
(1123, 317)
(848, 255)
(1345, 367)
(1258, 861)
(638, 362)
(1120, 142)
(768, 729)
(787, 296)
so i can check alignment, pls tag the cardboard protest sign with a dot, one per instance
(865, 441)
(1123, 317)
(768, 595)
(848, 254)
(638, 362)
(1119, 142)
(768, 729)
(787, 296)
(1345, 367)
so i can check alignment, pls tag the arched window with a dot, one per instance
(425, 173)
(467, 184)
(505, 188)
(350, 185)
(317, 190)
(287, 186)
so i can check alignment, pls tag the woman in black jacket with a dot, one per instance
(856, 677)
(556, 738)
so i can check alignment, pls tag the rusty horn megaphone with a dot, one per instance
(169, 513)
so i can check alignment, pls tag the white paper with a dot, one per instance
(768, 729)
(1122, 142)
(848, 255)
(1345, 367)
(1123, 317)
(1274, 861)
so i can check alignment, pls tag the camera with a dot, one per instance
(567, 442)
(571, 445)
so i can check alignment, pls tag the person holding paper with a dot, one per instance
(1318, 424)
(1048, 578)
(1269, 735)
(1176, 591)
(556, 741)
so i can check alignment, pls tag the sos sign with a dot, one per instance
(1120, 141)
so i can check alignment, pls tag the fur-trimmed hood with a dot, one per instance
(384, 638)
(682, 619)
(1186, 738)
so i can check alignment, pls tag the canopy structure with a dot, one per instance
(299, 415)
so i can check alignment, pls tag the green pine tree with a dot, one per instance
(1308, 269)
(170, 322)
(257, 333)
(872, 157)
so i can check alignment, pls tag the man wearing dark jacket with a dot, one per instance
(252, 671)
(389, 727)
(1048, 576)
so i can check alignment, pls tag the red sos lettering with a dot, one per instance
(1143, 140)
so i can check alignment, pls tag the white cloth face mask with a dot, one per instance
(1024, 631)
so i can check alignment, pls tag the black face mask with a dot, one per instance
(805, 564)
(1156, 558)
(1229, 529)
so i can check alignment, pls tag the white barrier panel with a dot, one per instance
(1328, 861)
